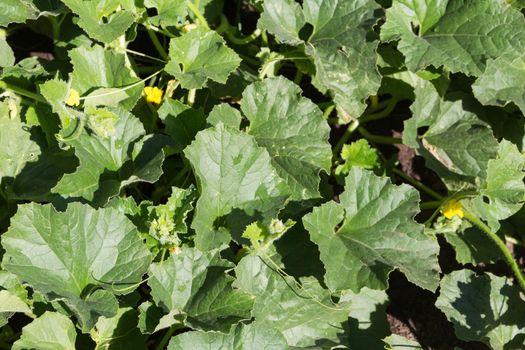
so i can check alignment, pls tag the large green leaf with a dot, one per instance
(99, 74)
(460, 38)
(70, 255)
(198, 56)
(305, 316)
(484, 308)
(502, 193)
(241, 337)
(195, 283)
(51, 331)
(233, 173)
(293, 131)
(103, 154)
(119, 331)
(16, 147)
(502, 81)
(372, 232)
(341, 44)
(169, 12)
(182, 122)
(102, 20)
(7, 57)
(457, 143)
(15, 11)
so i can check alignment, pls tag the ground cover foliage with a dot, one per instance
(257, 174)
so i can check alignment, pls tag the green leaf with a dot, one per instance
(367, 322)
(182, 122)
(453, 37)
(501, 82)
(503, 192)
(94, 67)
(306, 316)
(341, 44)
(51, 331)
(233, 173)
(152, 318)
(7, 57)
(196, 284)
(16, 11)
(11, 303)
(198, 56)
(372, 232)
(119, 332)
(484, 308)
(96, 179)
(284, 19)
(71, 255)
(168, 220)
(358, 153)
(169, 12)
(16, 147)
(293, 131)
(397, 342)
(241, 337)
(101, 20)
(226, 114)
(457, 144)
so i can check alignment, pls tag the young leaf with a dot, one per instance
(484, 308)
(68, 255)
(372, 232)
(198, 56)
(293, 131)
(358, 154)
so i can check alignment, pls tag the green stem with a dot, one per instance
(198, 14)
(158, 46)
(501, 245)
(383, 114)
(342, 141)
(166, 338)
(22, 92)
(417, 184)
(242, 41)
(430, 205)
(379, 139)
(298, 77)
(191, 97)
(328, 110)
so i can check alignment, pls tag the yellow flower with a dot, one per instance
(73, 99)
(153, 94)
(453, 208)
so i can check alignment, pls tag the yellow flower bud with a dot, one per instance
(153, 94)
(73, 99)
(453, 208)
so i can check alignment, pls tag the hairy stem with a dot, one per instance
(417, 184)
(158, 46)
(379, 139)
(501, 245)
